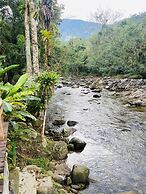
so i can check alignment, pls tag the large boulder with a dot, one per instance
(79, 145)
(60, 150)
(80, 174)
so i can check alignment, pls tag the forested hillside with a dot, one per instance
(117, 49)
(71, 28)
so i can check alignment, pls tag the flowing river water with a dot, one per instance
(115, 135)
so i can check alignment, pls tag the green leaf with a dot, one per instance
(22, 80)
(7, 107)
(7, 87)
(18, 116)
(32, 98)
(26, 114)
(2, 71)
(15, 125)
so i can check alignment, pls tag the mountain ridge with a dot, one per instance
(77, 28)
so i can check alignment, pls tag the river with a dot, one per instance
(115, 135)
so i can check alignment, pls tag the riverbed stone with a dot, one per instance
(60, 150)
(75, 86)
(96, 95)
(98, 90)
(67, 131)
(68, 181)
(62, 191)
(79, 145)
(80, 174)
(68, 93)
(59, 178)
(128, 192)
(71, 147)
(136, 103)
(59, 85)
(76, 187)
(74, 191)
(86, 92)
(58, 122)
(72, 123)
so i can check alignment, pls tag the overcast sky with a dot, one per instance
(82, 9)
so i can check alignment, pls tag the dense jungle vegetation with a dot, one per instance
(119, 48)
(31, 52)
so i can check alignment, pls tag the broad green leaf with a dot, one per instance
(22, 80)
(18, 116)
(18, 104)
(2, 71)
(7, 107)
(26, 114)
(7, 87)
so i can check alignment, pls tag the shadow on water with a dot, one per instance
(115, 136)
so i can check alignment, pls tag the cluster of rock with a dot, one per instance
(78, 178)
(128, 192)
(31, 180)
(75, 82)
(133, 90)
(62, 132)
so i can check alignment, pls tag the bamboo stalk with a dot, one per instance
(1, 122)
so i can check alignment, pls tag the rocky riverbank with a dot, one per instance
(47, 172)
(133, 91)
(44, 170)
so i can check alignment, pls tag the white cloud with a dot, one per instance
(82, 9)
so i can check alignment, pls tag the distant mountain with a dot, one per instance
(77, 28)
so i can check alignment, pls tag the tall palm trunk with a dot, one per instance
(27, 40)
(34, 38)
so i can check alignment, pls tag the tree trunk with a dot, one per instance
(34, 38)
(27, 40)
(47, 54)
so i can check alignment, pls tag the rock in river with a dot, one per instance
(136, 103)
(59, 85)
(71, 123)
(80, 174)
(58, 122)
(96, 95)
(68, 131)
(128, 192)
(79, 145)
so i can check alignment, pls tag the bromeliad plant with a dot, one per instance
(46, 83)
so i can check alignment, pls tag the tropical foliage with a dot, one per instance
(119, 48)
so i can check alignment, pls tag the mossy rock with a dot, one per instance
(60, 150)
(80, 174)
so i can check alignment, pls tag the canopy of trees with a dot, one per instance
(119, 48)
